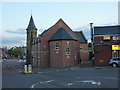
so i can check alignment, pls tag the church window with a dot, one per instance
(57, 46)
(68, 51)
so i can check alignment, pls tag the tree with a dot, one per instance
(14, 52)
(89, 46)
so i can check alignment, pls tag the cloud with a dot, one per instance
(13, 41)
(12, 38)
(18, 31)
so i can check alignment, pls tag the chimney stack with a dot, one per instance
(91, 29)
(119, 12)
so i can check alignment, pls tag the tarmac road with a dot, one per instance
(92, 77)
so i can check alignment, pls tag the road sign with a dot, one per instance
(115, 47)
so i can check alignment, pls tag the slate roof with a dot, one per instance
(62, 34)
(81, 36)
(31, 24)
(107, 30)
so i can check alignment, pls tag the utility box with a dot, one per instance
(29, 68)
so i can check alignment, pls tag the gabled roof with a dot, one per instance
(43, 33)
(31, 24)
(107, 30)
(81, 36)
(62, 34)
(60, 23)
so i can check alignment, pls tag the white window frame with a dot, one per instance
(57, 46)
(67, 51)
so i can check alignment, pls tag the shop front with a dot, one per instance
(116, 50)
(106, 43)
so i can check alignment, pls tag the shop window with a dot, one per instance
(115, 53)
(68, 51)
(57, 46)
(106, 37)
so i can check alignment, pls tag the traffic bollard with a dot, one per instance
(25, 68)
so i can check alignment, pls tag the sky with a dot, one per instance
(77, 15)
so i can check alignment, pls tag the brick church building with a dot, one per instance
(57, 46)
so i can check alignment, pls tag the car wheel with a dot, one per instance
(114, 65)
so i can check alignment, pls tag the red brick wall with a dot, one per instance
(32, 54)
(103, 53)
(84, 55)
(56, 59)
(98, 40)
(60, 59)
(38, 52)
(35, 55)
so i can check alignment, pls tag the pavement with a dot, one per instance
(17, 66)
(12, 66)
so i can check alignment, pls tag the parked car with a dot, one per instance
(5, 57)
(114, 62)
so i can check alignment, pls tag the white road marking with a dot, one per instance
(100, 77)
(69, 84)
(33, 86)
(91, 82)
(49, 81)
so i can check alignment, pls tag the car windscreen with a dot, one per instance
(116, 58)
